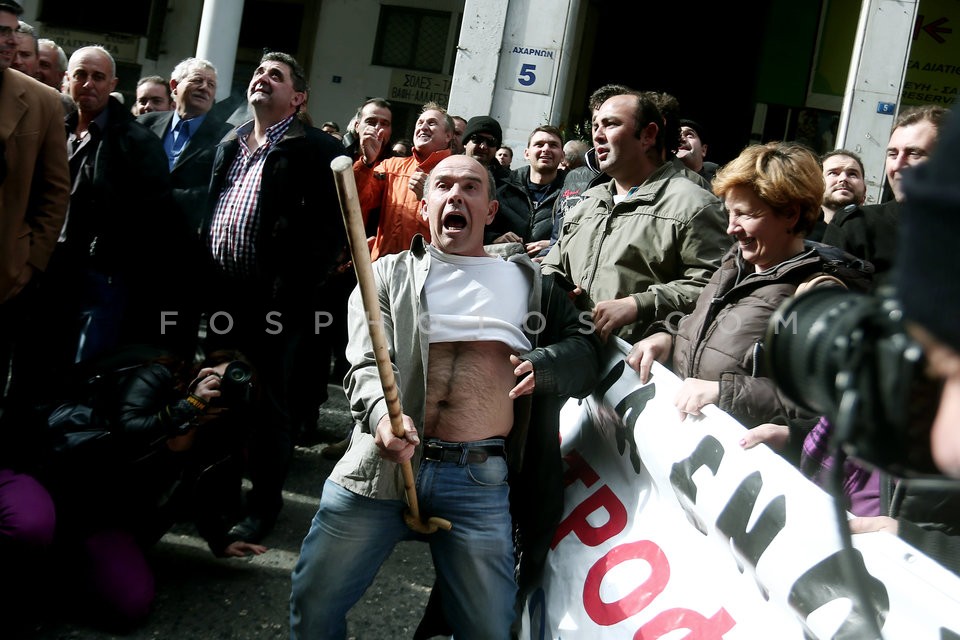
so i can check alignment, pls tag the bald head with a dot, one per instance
(458, 202)
(91, 76)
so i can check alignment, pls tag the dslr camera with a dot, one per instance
(236, 386)
(847, 356)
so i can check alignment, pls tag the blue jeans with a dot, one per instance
(101, 313)
(352, 535)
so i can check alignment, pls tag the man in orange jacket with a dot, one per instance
(395, 185)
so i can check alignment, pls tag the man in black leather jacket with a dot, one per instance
(107, 278)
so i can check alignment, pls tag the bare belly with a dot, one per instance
(467, 391)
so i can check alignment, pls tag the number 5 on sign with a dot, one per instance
(532, 69)
(527, 74)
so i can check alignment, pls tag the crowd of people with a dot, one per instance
(154, 355)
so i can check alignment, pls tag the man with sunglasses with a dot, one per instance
(481, 139)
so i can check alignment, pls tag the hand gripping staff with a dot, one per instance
(342, 169)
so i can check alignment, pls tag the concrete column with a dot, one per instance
(877, 69)
(569, 50)
(537, 65)
(219, 34)
(478, 54)
(516, 62)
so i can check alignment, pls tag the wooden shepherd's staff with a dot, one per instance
(353, 221)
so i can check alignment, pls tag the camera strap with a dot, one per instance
(817, 280)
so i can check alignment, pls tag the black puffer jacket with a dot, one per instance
(575, 184)
(518, 213)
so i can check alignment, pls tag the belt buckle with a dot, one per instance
(432, 451)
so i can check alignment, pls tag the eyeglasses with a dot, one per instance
(6, 32)
(479, 139)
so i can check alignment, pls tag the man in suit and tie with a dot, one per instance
(190, 135)
(34, 184)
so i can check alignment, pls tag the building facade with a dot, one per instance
(829, 73)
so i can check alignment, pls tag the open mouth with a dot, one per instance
(455, 221)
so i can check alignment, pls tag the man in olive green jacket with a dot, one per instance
(643, 245)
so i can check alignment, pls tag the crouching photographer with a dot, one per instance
(137, 449)
(885, 371)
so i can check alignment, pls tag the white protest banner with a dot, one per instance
(671, 530)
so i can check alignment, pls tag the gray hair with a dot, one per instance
(23, 27)
(27, 30)
(61, 55)
(188, 65)
(447, 120)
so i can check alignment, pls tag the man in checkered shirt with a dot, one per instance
(274, 232)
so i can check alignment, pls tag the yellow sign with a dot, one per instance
(933, 67)
(123, 48)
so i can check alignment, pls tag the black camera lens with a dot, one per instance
(238, 373)
(832, 348)
(236, 385)
(811, 339)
